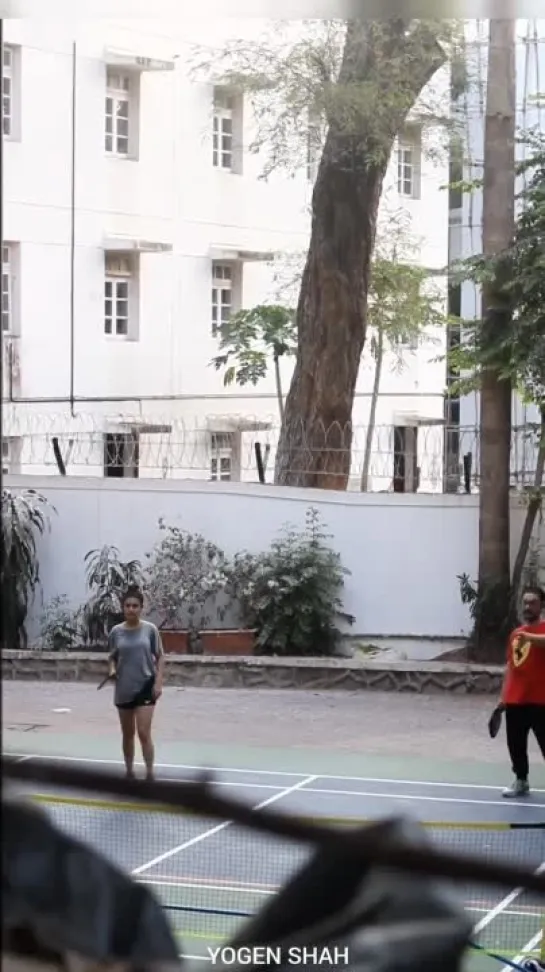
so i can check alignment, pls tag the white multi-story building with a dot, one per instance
(466, 229)
(135, 223)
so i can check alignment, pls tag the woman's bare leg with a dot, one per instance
(144, 719)
(128, 726)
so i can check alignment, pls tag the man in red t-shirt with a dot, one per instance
(523, 693)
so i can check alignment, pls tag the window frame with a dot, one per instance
(221, 451)
(119, 444)
(221, 285)
(404, 166)
(118, 95)
(409, 161)
(224, 111)
(8, 74)
(113, 279)
(7, 275)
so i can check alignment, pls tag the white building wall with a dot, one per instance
(170, 195)
(467, 240)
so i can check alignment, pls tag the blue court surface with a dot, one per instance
(211, 876)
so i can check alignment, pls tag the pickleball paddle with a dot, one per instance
(494, 723)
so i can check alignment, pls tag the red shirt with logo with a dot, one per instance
(525, 676)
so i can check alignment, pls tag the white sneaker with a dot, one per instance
(519, 788)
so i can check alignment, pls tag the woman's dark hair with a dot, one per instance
(133, 593)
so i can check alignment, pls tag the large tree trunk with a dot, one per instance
(389, 66)
(379, 358)
(495, 420)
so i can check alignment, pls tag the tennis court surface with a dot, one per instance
(210, 877)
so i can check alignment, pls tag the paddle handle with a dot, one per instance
(108, 678)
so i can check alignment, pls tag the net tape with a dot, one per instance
(326, 843)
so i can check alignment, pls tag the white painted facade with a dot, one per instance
(466, 221)
(157, 206)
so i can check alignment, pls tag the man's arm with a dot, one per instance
(535, 639)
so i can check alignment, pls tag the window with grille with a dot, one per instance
(222, 295)
(11, 456)
(408, 165)
(7, 91)
(221, 461)
(222, 132)
(118, 112)
(121, 455)
(405, 171)
(7, 290)
(117, 296)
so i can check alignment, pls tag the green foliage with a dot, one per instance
(491, 611)
(185, 575)
(292, 593)
(519, 277)
(295, 80)
(108, 577)
(402, 305)
(24, 518)
(62, 628)
(250, 338)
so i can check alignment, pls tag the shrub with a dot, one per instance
(62, 627)
(185, 576)
(108, 577)
(292, 594)
(24, 518)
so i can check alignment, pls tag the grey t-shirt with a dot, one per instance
(135, 652)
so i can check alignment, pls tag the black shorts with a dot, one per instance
(144, 697)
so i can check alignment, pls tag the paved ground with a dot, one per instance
(427, 737)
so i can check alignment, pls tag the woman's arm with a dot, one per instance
(112, 654)
(158, 651)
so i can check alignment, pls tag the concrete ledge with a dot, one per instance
(318, 674)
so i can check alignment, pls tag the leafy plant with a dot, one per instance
(292, 593)
(185, 577)
(24, 518)
(107, 578)
(62, 627)
(252, 337)
(516, 355)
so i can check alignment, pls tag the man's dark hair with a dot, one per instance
(134, 593)
(534, 589)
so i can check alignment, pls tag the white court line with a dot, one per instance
(502, 905)
(529, 947)
(188, 885)
(170, 882)
(362, 793)
(216, 830)
(263, 772)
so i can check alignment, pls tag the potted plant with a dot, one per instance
(185, 576)
(292, 594)
(108, 577)
(24, 518)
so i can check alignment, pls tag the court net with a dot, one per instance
(211, 877)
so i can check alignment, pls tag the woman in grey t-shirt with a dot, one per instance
(137, 661)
